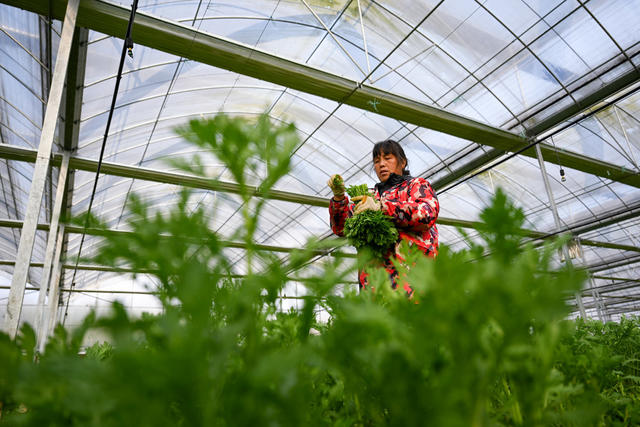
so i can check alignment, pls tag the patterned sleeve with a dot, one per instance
(420, 210)
(339, 211)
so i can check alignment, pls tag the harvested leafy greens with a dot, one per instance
(370, 230)
(358, 190)
(338, 181)
(373, 230)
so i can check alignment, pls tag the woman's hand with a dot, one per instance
(336, 184)
(365, 203)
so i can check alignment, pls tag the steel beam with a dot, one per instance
(622, 261)
(537, 235)
(103, 268)
(624, 310)
(84, 267)
(54, 291)
(74, 91)
(27, 237)
(12, 223)
(620, 285)
(624, 214)
(603, 220)
(618, 279)
(613, 302)
(51, 244)
(125, 171)
(486, 158)
(611, 88)
(556, 219)
(71, 229)
(72, 113)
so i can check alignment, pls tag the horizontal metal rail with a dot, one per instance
(72, 229)
(182, 179)
(12, 223)
(117, 291)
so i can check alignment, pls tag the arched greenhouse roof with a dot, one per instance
(471, 89)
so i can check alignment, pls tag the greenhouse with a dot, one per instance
(164, 169)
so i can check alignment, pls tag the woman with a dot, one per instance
(410, 202)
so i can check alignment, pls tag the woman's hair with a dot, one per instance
(390, 146)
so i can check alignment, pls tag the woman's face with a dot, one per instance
(386, 164)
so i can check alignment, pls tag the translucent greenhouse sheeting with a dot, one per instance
(506, 65)
(520, 63)
(625, 232)
(21, 73)
(610, 135)
(293, 224)
(161, 198)
(580, 198)
(125, 290)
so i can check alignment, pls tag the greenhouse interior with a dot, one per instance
(537, 100)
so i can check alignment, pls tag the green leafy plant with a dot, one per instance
(359, 190)
(369, 231)
(338, 182)
(483, 341)
(99, 351)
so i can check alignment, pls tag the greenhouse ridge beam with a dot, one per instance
(620, 285)
(28, 155)
(625, 80)
(618, 302)
(108, 269)
(116, 291)
(605, 265)
(86, 267)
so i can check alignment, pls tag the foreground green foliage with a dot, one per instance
(482, 342)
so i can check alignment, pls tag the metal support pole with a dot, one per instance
(556, 218)
(603, 312)
(54, 293)
(364, 39)
(27, 237)
(626, 137)
(51, 244)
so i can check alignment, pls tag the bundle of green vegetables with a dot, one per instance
(370, 230)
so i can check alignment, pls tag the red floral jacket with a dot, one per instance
(413, 206)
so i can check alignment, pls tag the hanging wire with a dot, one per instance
(562, 177)
(127, 48)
